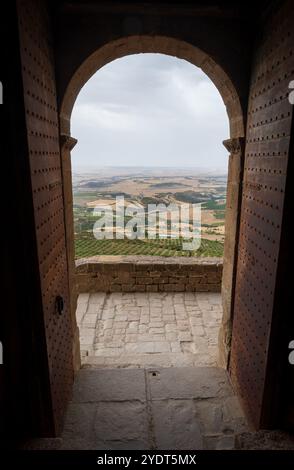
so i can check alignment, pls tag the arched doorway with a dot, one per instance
(225, 38)
(181, 49)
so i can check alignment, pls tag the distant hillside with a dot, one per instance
(168, 184)
(191, 196)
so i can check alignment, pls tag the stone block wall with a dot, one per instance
(148, 274)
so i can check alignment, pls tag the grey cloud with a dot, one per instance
(149, 110)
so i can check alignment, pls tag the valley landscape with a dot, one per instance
(142, 187)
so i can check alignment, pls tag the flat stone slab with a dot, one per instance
(123, 422)
(176, 425)
(109, 385)
(80, 419)
(107, 425)
(163, 408)
(189, 382)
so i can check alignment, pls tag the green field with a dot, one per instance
(213, 204)
(86, 245)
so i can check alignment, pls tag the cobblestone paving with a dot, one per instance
(149, 329)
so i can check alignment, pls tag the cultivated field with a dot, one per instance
(142, 188)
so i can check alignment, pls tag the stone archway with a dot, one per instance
(182, 50)
(156, 44)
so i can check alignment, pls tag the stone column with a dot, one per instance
(233, 208)
(67, 144)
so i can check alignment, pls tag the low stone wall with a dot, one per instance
(148, 274)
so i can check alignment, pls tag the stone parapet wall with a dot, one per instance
(148, 274)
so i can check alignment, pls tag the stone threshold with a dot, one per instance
(148, 361)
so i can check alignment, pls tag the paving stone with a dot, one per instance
(81, 308)
(143, 328)
(184, 336)
(133, 317)
(131, 338)
(89, 320)
(176, 425)
(183, 326)
(79, 316)
(233, 415)
(154, 317)
(115, 343)
(145, 310)
(97, 298)
(144, 337)
(108, 315)
(87, 335)
(131, 348)
(188, 347)
(107, 333)
(211, 416)
(83, 298)
(190, 382)
(119, 331)
(155, 310)
(108, 352)
(156, 330)
(161, 346)
(175, 346)
(201, 344)
(108, 324)
(157, 337)
(198, 331)
(109, 385)
(79, 421)
(195, 321)
(121, 317)
(156, 324)
(94, 308)
(171, 336)
(204, 360)
(120, 324)
(147, 347)
(128, 320)
(219, 442)
(182, 360)
(123, 421)
(171, 327)
(168, 318)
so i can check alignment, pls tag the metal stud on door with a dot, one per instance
(266, 159)
(43, 142)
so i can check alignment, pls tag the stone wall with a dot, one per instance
(148, 274)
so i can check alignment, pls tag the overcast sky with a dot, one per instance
(149, 110)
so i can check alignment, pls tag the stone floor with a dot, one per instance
(149, 379)
(149, 329)
(124, 399)
(172, 408)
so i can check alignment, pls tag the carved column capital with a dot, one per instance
(235, 145)
(67, 142)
